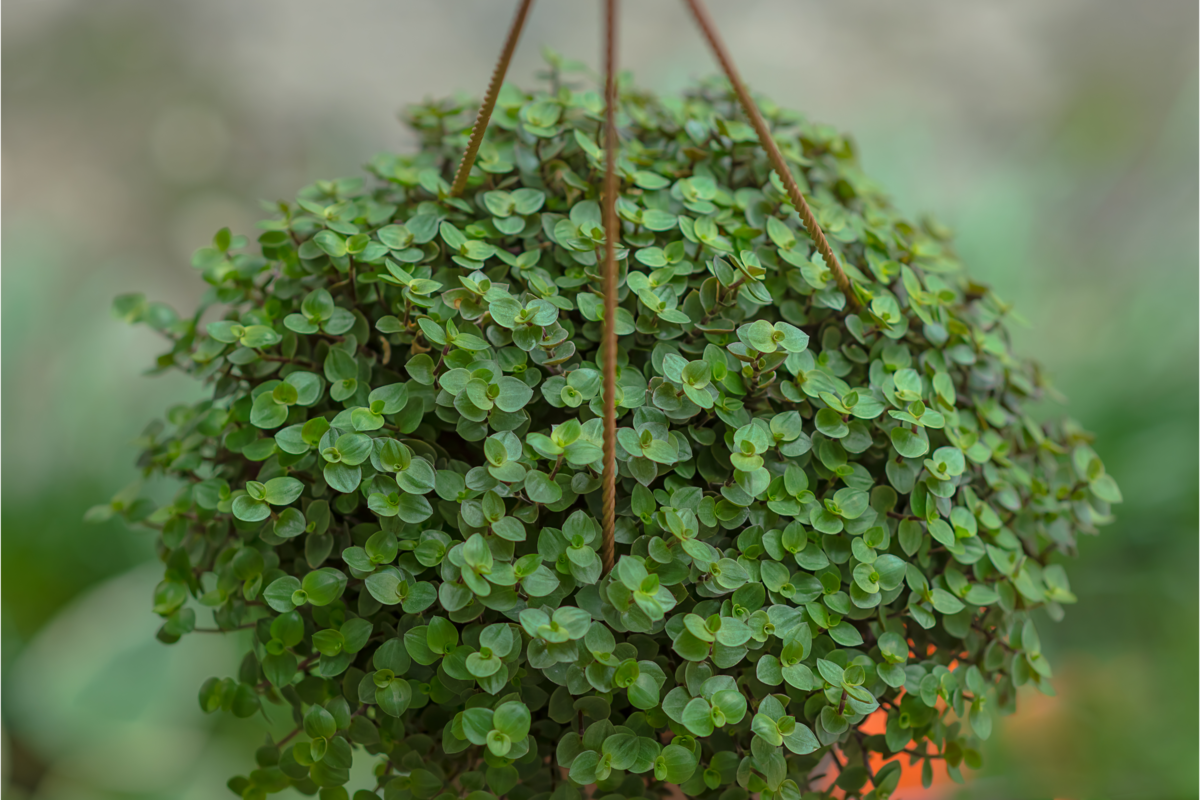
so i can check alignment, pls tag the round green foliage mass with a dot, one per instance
(827, 513)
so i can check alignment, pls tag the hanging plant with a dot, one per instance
(834, 515)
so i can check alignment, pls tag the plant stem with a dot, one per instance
(287, 738)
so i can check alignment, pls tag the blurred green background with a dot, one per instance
(1058, 139)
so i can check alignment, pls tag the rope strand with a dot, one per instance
(612, 231)
(768, 143)
(489, 100)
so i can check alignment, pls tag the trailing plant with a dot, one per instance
(834, 522)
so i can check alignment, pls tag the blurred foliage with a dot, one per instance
(1080, 209)
(50, 561)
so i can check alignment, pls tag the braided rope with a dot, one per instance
(611, 223)
(764, 137)
(612, 231)
(489, 100)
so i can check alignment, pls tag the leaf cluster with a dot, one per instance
(826, 515)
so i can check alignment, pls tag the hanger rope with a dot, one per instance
(612, 232)
(764, 137)
(612, 225)
(489, 100)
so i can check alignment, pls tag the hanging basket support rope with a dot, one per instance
(612, 228)
(489, 100)
(612, 232)
(768, 143)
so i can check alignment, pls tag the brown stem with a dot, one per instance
(441, 360)
(913, 752)
(764, 137)
(866, 758)
(287, 738)
(489, 100)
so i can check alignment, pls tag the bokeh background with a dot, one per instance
(1058, 138)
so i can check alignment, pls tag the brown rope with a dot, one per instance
(612, 231)
(764, 137)
(489, 100)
